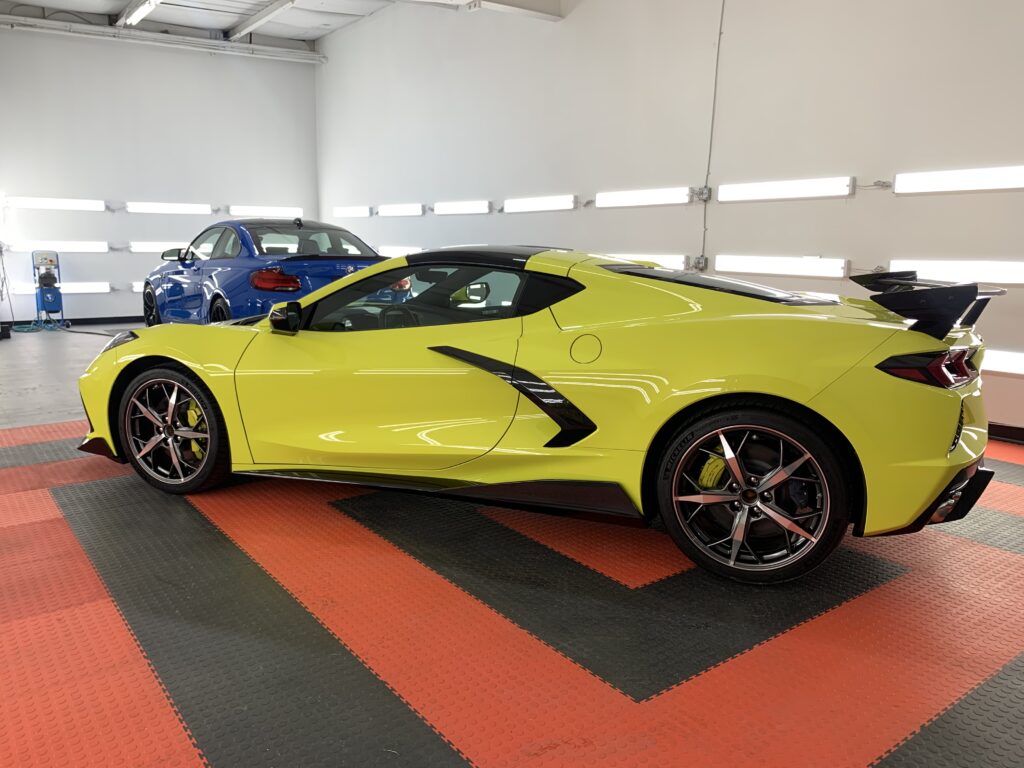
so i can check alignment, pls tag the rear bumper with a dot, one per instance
(955, 501)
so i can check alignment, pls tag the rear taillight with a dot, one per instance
(950, 369)
(274, 279)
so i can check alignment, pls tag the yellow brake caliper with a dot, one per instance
(192, 416)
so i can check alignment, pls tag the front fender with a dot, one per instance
(211, 353)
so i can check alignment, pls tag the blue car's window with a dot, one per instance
(291, 239)
(229, 246)
(419, 295)
(202, 247)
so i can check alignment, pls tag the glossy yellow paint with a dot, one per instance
(383, 401)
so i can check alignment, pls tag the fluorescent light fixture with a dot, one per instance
(832, 186)
(1003, 361)
(61, 246)
(351, 211)
(394, 251)
(56, 203)
(400, 209)
(84, 287)
(548, 203)
(802, 266)
(137, 12)
(277, 211)
(153, 246)
(137, 286)
(969, 179)
(195, 209)
(638, 197)
(669, 260)
(963, 270)
(462, 207)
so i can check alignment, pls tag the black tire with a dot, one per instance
(150, 311)
(756, 515)
(202, 463)
(219, 310)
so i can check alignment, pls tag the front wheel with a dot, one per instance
(172, 432)
(753, 494)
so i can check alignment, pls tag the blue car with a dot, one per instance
(241, 268)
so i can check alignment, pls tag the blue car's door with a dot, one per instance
(185, 298)
(226, 273)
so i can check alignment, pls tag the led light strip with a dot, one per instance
(153, 246)
(195, 209)
(61, 246)
(462, 207)
(400, 209)
(801, 266)
(965, 180)
(1003, 361)
(27, 289)
(351, 211)
(832, 186)
(535, 204)
(55, 203)
(643, 197)
(963, 270)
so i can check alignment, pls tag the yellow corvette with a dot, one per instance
(757, 424)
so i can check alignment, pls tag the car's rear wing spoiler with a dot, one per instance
(936, 307)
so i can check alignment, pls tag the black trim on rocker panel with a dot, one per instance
(572, 422)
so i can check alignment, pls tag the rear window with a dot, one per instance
(715, 283)
(307, 240)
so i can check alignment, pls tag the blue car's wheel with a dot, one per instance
(150, 311)
(219, 311)
(172, 432)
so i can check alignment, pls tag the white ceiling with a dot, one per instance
(306, 20)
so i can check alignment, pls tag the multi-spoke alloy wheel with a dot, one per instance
(172, 432)
(755, 499)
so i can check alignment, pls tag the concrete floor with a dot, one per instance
(39, 373)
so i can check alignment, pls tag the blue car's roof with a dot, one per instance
(270, 222)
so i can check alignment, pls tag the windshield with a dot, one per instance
(290, 239)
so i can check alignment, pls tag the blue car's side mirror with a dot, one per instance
(173, 254)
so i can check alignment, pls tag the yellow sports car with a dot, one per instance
(757, 424)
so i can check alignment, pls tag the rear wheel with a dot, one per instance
(753, 494)
(150, 311)
(173, 433)
(219, 311)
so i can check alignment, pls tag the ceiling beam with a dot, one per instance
(261, 18)
(547, 10)
(153, 38)
(135, 12)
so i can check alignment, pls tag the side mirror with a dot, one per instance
(173, 254)
(286, 318)
(478, 292)
(471, 294)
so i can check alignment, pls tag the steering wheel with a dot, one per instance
(409, 319)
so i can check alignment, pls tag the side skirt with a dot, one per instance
(570, 495)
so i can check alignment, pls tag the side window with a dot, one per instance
(229, 246)
(202, 247)
(418, 296)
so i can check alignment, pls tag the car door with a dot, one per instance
(365, 385)
(185, 289)
(221, 273)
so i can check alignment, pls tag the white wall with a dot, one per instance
(419, 104)
(118, 121)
